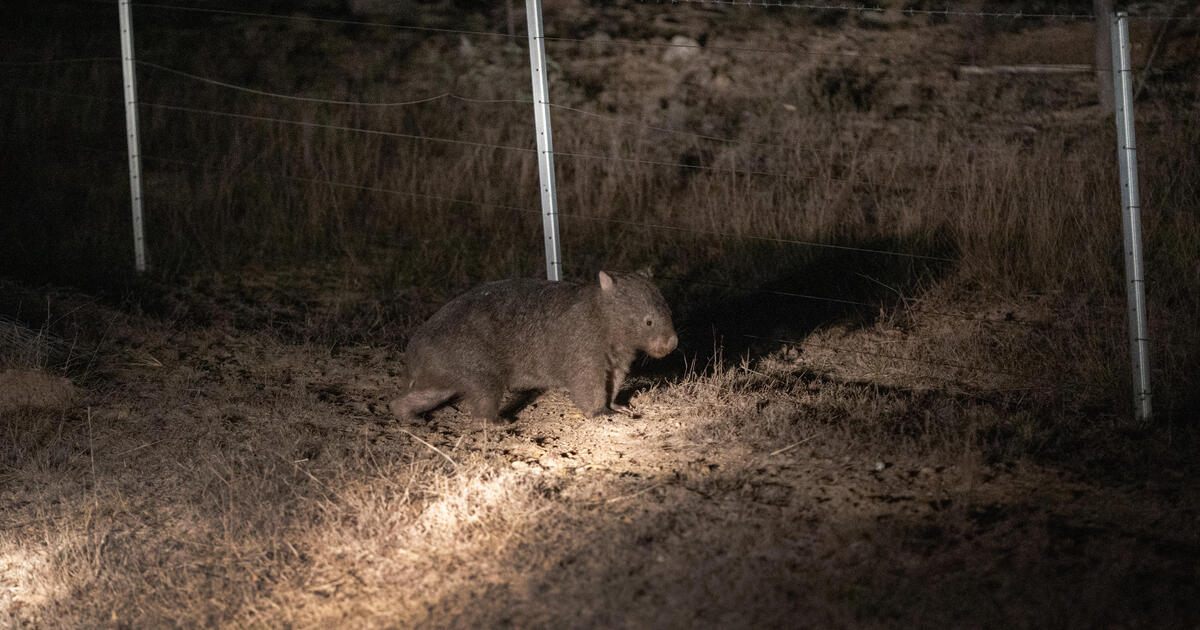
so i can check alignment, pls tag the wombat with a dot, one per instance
(528, 334)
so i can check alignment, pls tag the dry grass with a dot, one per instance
(241, 481)
(948, 449)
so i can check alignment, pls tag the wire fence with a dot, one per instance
(790, 49)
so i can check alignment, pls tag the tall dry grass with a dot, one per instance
(990, 192)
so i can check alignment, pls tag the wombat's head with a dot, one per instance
(637, 314)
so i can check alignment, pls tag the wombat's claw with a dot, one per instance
(623, 409)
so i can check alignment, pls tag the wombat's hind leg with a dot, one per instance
(484, 405)
(520, 400)
(418, 401)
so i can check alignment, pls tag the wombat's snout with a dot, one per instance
(660, 348)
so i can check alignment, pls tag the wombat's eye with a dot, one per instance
(649, 322)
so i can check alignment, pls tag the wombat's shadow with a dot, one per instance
(847, 287)
(720, 323)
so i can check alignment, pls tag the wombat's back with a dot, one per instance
(515, 331)
(519, 308)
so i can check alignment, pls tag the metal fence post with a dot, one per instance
(545, 144)
(131, 127)
(1131, 216)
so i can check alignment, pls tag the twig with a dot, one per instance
(326, 490)
(138, 448)
(630, 496)
(790, 446)
(92, 458)
(435, 449)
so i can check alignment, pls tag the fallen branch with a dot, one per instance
(790, 446)
(435, 449)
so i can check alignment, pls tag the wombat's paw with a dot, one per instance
(400, 409)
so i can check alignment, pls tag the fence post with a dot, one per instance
(131, 127)
(1131, 216)
(545, 144)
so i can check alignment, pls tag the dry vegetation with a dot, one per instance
(846, 439)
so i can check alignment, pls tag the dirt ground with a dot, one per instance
(203, 474)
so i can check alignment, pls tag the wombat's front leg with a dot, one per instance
(591, 396)
(617, 377)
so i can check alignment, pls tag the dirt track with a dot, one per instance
(232, 479)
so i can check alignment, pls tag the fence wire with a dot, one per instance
(1028, 377)
(345, 128)
(905, 303)
(567, 154)
(448, 96)
(946, 12)
(868, 9)
(324, 101)
(1024, 127)
(319, 20)
(530, 150)
(1034, 378)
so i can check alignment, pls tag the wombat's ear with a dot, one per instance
(606, 281)
(645, 272)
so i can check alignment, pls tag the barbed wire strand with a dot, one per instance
(629, 43)
(449, 95)
(345, 128)
(568, 154)
(1088, 16)
(904, 301)
(452, 96)
(750, 172)
(534, 211)
(327, 101)
(946, 13)
(900, 60)
(610, 117)
(861, 9)
(48, 62)
(752, 237)
(1033, 125)
(309, 18)
(570, 216)
(642, 224)
(778, 145)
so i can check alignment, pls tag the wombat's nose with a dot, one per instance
(662, 346)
